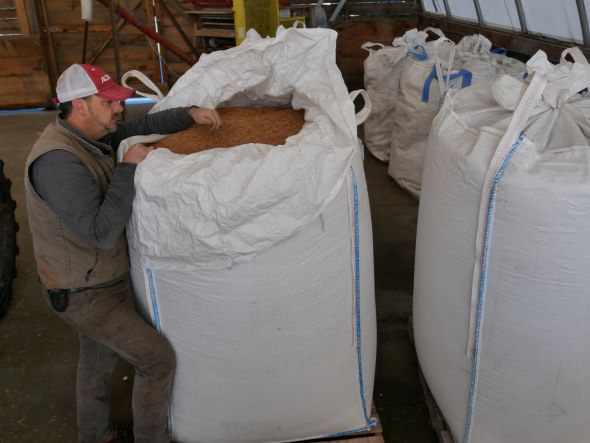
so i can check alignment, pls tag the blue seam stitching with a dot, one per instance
(156, 311)
(483, 283)
(153, 298)
(357, 282)
(371, 422)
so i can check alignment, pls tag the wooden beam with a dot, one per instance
(102, 45)
(78, 28)
(115, 44)
(179, 29)
(23, 20)
(49, 47)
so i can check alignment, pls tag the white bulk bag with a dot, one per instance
(382, 71)
(475, 53)
(423, 86)
(256, 261)
(426, 77)
(501, 279)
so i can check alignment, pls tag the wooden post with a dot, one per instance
(115, 39)
(85, 41)
(102, 45)
(179, 29)
(50, 50)
(23, 20)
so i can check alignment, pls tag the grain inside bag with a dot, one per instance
(241, 126)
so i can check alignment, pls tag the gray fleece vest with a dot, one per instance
(64, 259)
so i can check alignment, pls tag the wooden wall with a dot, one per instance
(24, 82)
(30, 65)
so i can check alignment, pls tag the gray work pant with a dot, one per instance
(109, 326)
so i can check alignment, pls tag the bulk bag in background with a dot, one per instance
(501, 279)
(382, 71)
(256, 261)
(475, 53)
(428, 76)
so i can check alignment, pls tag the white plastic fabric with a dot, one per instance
(256, 262)
(423, 87)
(501, 280)
(382, 71)
(221, 207)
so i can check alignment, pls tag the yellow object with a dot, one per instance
(262, 15)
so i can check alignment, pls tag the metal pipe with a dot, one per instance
(122, 12)
(521, 16)
(341, 4)
(478, 12)
(583, 21)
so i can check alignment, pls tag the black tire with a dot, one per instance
(8, 246)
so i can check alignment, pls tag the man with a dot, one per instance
(79, 201)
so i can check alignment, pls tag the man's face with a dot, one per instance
(103, 114)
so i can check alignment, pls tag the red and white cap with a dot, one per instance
(84, 80)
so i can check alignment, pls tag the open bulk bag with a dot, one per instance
(256, 262)
(428, 76)
(501, 279)
(382, 71)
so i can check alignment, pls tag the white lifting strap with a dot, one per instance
(146, 81)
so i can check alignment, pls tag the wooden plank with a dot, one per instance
(20, 46)
(23, 20)
(215, 32)
(49, 48)
(17, 66)
(25, 101)
(105, 42)
(23, 85)
(72, 16)
(78, 28)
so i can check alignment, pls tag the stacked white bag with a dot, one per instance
(382, 72)
(501, 297)
(431, 72)
(256, 261)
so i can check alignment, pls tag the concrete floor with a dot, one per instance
(38, 351)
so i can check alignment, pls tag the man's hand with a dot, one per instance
(136, 154)
(207, 117)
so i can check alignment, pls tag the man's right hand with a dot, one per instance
(136, 154)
